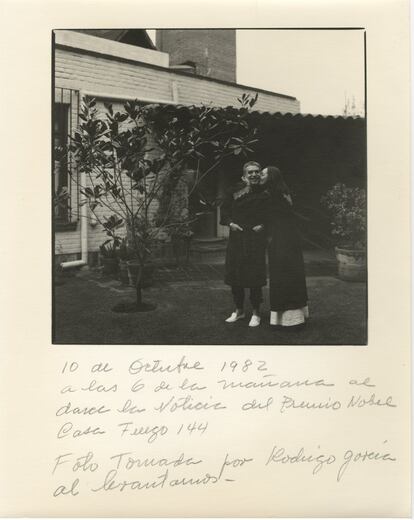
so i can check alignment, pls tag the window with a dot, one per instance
(65, 109)
(60, 167)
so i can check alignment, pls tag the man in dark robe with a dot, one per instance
(244, 210)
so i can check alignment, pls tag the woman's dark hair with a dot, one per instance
(276, 180)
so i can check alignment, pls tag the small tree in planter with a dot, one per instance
(109, 257)
(347, 207)
(135, 160)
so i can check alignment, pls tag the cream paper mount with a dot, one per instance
(178, 431)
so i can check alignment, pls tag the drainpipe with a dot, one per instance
(82, 222)
(83, 232)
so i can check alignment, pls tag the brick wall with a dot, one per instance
(213, 51)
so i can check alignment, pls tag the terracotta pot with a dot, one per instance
(110, 265)
(352, 264)
(147, 278)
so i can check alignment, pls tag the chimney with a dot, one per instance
(209, 52)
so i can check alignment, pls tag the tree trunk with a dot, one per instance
(138, 287)
(138, 305)
(139, 295)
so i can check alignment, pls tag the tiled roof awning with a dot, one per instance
(256, 115)
(288, 115)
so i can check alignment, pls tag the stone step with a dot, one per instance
(208, 244)
(209, 239)
(209, 248)
(206, 256)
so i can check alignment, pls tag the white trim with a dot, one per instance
(128, 97)
(83, 222)
(99, 45)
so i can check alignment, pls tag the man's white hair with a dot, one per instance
(250, 163)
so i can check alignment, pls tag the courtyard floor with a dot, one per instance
(192, 303)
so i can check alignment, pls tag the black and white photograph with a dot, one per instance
(209, 186)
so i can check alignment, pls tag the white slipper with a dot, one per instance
(234, 317)
(254, 321)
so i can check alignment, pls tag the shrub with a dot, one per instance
(347, 207)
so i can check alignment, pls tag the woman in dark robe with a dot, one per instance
(288, 294)
(244, 210)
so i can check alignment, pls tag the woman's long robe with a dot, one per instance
(286, 266)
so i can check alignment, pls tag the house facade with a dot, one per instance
(191, 67)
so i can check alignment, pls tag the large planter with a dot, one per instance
(110, 266)
(181, 249)
(352, 264)
(147, 278)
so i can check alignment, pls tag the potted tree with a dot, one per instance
(347, 207)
